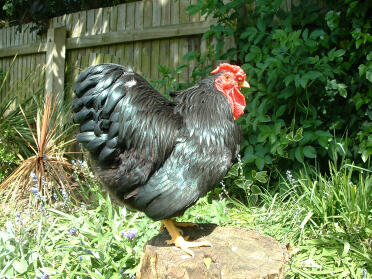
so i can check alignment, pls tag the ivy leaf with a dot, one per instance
(309, 152)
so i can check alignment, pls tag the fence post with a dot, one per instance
(55, 60)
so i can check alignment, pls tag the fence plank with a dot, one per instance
(156, 13)
(182, 50)
(164, 52)
(128, 53)
(83, 20)
(106, 20)
(138, 23)
(98, 21)
(90, 23)
(174, 61)
(165, 12)
(146, 59)
(113, 18)
(131, 7)
(175, 12)
(147, 10)
(155, 52)
(184, 17)
(76, 27)
(137, 53)
(68, 22)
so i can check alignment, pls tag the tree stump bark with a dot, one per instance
(237, 253)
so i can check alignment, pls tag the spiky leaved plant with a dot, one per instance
(48, 168)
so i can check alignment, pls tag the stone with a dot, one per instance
(237, 253)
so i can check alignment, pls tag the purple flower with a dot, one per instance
(130, 233)
(72, 231)
(81, 258)
(35, 191)
(45, 276)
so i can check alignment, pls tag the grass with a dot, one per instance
(324, 219)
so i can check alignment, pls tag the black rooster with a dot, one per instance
(155, 155)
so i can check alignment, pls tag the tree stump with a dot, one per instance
(237, 253)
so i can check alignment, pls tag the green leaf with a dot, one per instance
(193, 9)
(298, 136)
(280, 111)
(369, 76)
(288, 79)
(20, 266)
(191, 55)
(261, 176)
(249, 57)
(339, 53)
(369, 56)
(365, 155)
(261, 25)
(234, 171)
(255, 190)
(299, 154)
(309, 152)
(317, 33)
(305, 34)
(260, 162)
(312, 75)
(362, 69)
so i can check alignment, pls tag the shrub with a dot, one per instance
(310, 70)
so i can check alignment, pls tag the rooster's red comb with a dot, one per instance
(239, 73)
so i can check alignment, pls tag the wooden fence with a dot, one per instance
(142, 34)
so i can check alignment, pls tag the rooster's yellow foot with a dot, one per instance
(179, 241)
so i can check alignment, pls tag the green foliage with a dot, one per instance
(335, 201)
(246, 187)
(8, 157)
(310, 73)
(168, 79)
(326, 240)
(14, 130)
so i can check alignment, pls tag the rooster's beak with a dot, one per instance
(244, 84)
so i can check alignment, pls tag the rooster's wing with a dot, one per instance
(125, 124)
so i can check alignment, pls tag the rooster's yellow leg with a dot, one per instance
(178, 240)
(180, 224)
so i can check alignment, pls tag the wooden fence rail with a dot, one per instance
(142, 34)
